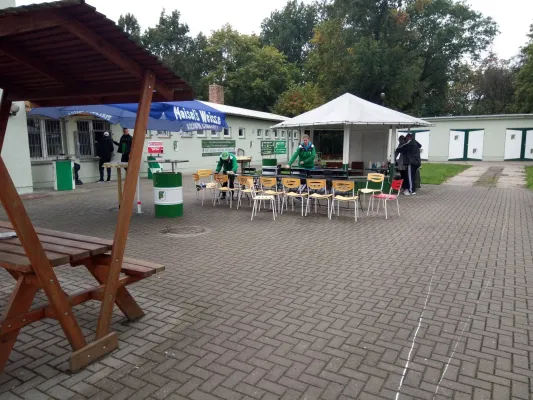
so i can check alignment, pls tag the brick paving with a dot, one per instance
(302, 308)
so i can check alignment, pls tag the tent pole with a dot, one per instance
(346, 148)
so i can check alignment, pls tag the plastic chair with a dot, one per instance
(374, 178)
(202, 186)
(269, 187)
(246, 184)
(288, 185)
(317, 185)
(347, 188)
(396, 186)
(258, 198)
(220, 180)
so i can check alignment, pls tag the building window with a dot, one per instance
(88, 134)
(242, 133)
(259, 133)
(296, 135)
(267, 133)
(45, 138)
(214, 134)
(276, 133)
(161, 134)
(283, 134)
(227, 132)
(289, 135)
(200, 133)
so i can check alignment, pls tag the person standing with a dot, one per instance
(104, 150)
(400, 163)
(124, 146)
(306, 154)
(411, 152)
(229, 165)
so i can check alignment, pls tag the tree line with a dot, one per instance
(423, 57)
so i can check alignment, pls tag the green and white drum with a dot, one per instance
(64, 175)
(168, 194)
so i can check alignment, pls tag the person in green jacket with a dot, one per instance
(306, 154)
(229, 165)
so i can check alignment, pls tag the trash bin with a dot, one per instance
(64, 175)
(168, 194)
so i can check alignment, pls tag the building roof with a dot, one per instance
(351, 110)
(65, 53)
(244, 112)
(480, 117)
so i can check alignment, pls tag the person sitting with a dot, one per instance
(306, 154)
(229, 165)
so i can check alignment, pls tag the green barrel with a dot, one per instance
(168, 194)
(64, 175)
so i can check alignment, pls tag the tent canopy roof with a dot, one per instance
(65, 53)
(351, 110)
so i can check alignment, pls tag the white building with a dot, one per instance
(33, 143)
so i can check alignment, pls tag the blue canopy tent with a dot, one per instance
(177, 116)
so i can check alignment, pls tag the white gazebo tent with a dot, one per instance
(369, 129)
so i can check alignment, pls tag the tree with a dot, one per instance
(524, 79)
(290, 29)
(129, 24)
(299, 99)
(407, 49)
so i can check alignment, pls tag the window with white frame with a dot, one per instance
(227, 132)
(214, 134)
(276, 133)
(200, 133)
(296, 135)
(267, 133)
(259, 133)
(45, 137)
(242, 133)
(89, 132)
(283, 134)
(289, 135)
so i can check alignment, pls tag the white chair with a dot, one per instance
(258, 198)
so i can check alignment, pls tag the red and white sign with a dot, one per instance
(155, 147)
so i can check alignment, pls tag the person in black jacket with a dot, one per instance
(411, 153)
(104, 150)
(124, 146)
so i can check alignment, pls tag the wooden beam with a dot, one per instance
(124, 215)
(93, 351)
(20, 23)
(113, 54)
(5, 109)
(42, 267)
(23, 57)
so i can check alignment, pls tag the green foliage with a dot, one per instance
(299, 99)
(290, 29)
(129, 24)
(436, 174)
(524, 80)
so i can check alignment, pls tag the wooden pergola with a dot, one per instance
(66, 53)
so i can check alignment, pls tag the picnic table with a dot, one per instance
(61, 249)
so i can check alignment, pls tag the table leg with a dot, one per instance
(119, 182)
(19, 303)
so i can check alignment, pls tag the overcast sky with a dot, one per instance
(513, 16)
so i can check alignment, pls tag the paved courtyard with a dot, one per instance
(434, 304)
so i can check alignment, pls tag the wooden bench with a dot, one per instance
(66, 249)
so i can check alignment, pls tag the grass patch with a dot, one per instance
(435, 174)
(529, 177)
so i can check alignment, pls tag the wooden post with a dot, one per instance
(124, 215)
(119, 183)
(32, 245)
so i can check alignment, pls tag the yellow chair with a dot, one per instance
(201, 185)
(246, 186)
(317, 185)
(220, 180)
(374, 178)
(288, 184)
(269, 187)
(347, 188)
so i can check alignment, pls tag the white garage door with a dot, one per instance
(457, 145)
(529, 145)
(475, 144)
(513, 144)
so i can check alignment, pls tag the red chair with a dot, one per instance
(396, 186)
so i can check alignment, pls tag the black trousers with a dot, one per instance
(76, 170)
(101, 167)
(405, 177)
(411, 175)
(125, 158)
